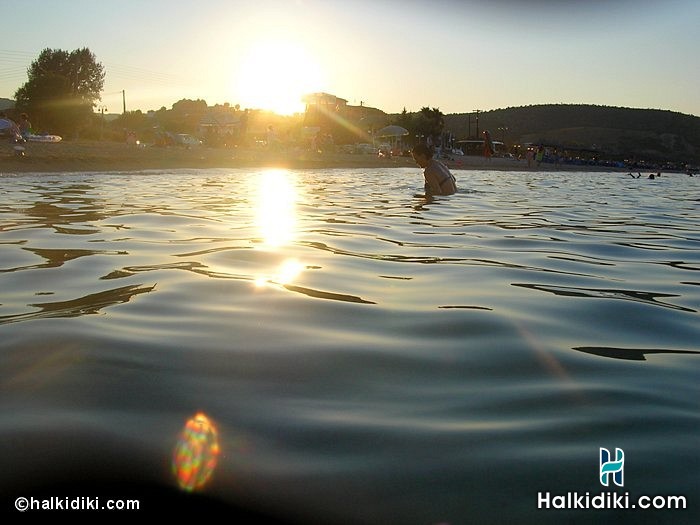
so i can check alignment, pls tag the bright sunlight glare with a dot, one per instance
(276, 208)
(285, 274)
(275, 74)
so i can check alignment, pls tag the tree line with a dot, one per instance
(424, 124)
(63, 88)
(615, 131)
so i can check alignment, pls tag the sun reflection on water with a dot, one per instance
(284, 274)
(276, 220)
(276, 208)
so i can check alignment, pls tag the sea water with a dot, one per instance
(355, 352)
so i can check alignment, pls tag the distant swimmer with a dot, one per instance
(438, 178)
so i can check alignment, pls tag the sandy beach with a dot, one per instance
(81, 156)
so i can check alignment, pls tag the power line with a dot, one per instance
(15, 55)
(12, 73)
(150, 73)
(114, 71)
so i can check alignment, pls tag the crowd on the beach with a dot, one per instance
(10, 129)
(440, 153)
(17, 133)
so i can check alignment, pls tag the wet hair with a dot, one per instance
(423, 149)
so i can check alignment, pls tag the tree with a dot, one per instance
(134, 121)
(61, 89)
(186, 107)
(430, 122)
(405, 120)
(186, 115)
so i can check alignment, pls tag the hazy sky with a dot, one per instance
(390, 54)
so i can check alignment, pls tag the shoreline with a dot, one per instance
(95, 156)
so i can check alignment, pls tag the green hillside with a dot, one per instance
(616, 132)
(6, 103)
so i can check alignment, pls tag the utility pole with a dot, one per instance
(102, 122)
(124, 101)
(477, 111)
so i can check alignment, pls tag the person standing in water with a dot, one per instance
(488, 149)
(25, 127)
(438, 178)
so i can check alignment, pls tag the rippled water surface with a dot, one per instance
(362, 355)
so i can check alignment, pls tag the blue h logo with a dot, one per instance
(616, 467)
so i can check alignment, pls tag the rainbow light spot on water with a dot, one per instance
(196, 453)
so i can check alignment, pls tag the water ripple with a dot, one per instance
(607, 293)
(366, 354)
(636, 354)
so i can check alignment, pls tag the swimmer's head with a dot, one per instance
(422, 153)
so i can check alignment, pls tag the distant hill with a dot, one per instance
(616, 132)
(6, 103)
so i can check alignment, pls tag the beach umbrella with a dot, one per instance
(391, 131)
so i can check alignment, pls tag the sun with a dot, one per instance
(275, 74)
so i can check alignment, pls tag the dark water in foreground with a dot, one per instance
(363, 356)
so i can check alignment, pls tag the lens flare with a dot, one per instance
(196, 453)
